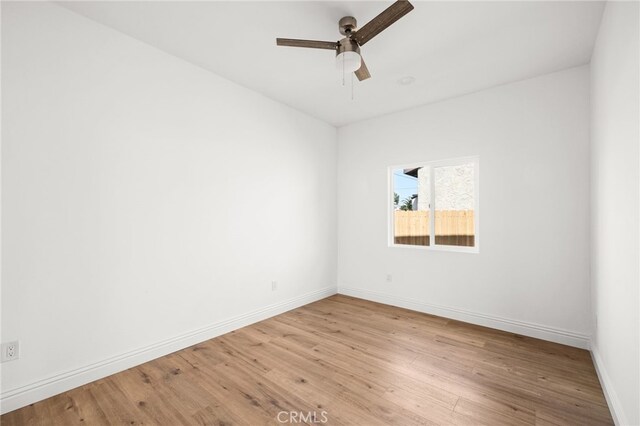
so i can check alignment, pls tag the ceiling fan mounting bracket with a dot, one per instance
(347, 25)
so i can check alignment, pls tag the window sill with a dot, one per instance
(458, 249)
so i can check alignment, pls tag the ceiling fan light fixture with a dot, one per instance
(348, 61)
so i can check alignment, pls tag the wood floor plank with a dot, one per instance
(492, 414)
(355, 362)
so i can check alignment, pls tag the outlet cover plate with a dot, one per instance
(10, 351)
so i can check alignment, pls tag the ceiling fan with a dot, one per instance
(347, 50)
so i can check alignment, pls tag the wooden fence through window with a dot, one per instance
(452, 227)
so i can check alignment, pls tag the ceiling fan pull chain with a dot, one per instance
(343, 72)
(351, 87)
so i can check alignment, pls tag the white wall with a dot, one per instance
(144, 199)
(532, 272)
(615, 271)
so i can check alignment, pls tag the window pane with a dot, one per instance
(411, 206)
(454, 205)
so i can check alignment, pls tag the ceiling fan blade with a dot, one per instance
(313, 44)
(381, 22)
(363, 72)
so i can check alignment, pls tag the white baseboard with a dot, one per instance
(607, 387)
(42, 389)
(551, 334)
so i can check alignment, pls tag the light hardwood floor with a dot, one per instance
(348, 361)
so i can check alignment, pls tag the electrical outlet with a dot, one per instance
(389, 278)
(274, 285)
(10, 351)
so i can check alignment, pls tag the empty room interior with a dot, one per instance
(320, 212)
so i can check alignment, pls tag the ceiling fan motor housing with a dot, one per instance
(347, 45)
(347, 25)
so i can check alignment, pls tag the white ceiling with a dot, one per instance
(450, 48)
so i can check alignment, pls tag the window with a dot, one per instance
(438, 198)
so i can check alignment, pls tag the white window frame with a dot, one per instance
(476, 199)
